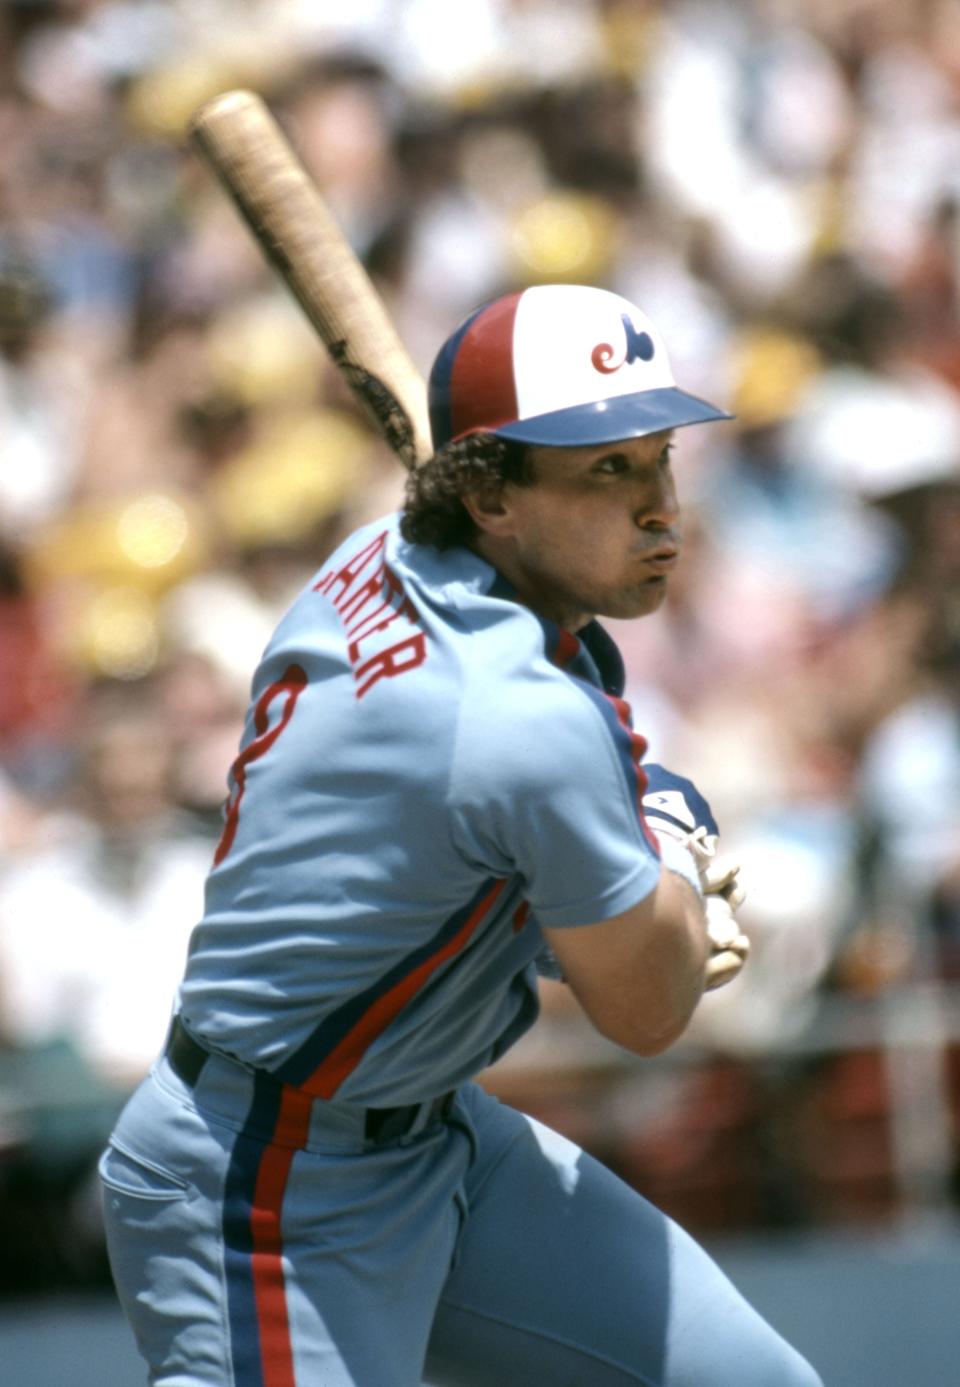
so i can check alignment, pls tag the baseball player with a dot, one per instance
(439, 790)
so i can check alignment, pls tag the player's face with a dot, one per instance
(597, 534)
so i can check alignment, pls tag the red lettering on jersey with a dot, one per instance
(391, 587)
(406, 609)
(351, 570)
(367, 608)
(367, 592)
(291, 685)
(396, 659)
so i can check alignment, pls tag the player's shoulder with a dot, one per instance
(377, 555)
(478, 652)
(522, 714)
(456, 579)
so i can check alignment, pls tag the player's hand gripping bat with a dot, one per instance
(293, 226)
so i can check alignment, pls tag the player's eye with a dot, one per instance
(613, 465)
(666, 455)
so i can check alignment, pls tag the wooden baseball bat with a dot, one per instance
(252, 157)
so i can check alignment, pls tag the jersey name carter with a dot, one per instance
(370, 600)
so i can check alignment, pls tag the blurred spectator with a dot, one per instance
(96, 905)
(35, 691)
(41, 399)
(94, 918)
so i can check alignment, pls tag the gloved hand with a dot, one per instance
(729, 946)
(673, 805)
(719, 876)
(675, 809)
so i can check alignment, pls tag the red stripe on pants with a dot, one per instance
(269, 1289)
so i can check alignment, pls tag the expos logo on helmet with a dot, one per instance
(640, 347)
(561, 365)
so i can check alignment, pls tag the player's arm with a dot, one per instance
(640, 975)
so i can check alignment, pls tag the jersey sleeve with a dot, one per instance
(551, 793)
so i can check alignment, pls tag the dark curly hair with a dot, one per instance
(433, 510)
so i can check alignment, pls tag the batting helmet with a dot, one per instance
(560, 365)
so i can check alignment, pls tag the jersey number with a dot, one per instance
(290, 687)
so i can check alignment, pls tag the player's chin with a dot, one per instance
(639, 599)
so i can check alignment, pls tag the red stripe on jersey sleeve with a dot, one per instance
(638, 749)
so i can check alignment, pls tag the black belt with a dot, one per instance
(187, 1058)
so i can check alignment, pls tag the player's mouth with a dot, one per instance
(661, 562)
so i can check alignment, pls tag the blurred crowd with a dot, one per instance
(778, 183)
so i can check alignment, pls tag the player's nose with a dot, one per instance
(658, 509)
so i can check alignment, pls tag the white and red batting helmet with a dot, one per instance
(559, 365)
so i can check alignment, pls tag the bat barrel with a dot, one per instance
(244, 144)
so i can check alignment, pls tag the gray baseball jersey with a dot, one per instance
(429, 772)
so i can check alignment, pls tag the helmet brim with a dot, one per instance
(613, 419)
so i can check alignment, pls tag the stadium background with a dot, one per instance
(778, 183)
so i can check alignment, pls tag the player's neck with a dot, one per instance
(533, 593)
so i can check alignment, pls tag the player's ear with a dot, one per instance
(494, 501)
(490, 510)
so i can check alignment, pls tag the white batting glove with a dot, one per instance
(682, 818)
(676, 811)
(729, 946)
(723, 894)
(719, 876)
